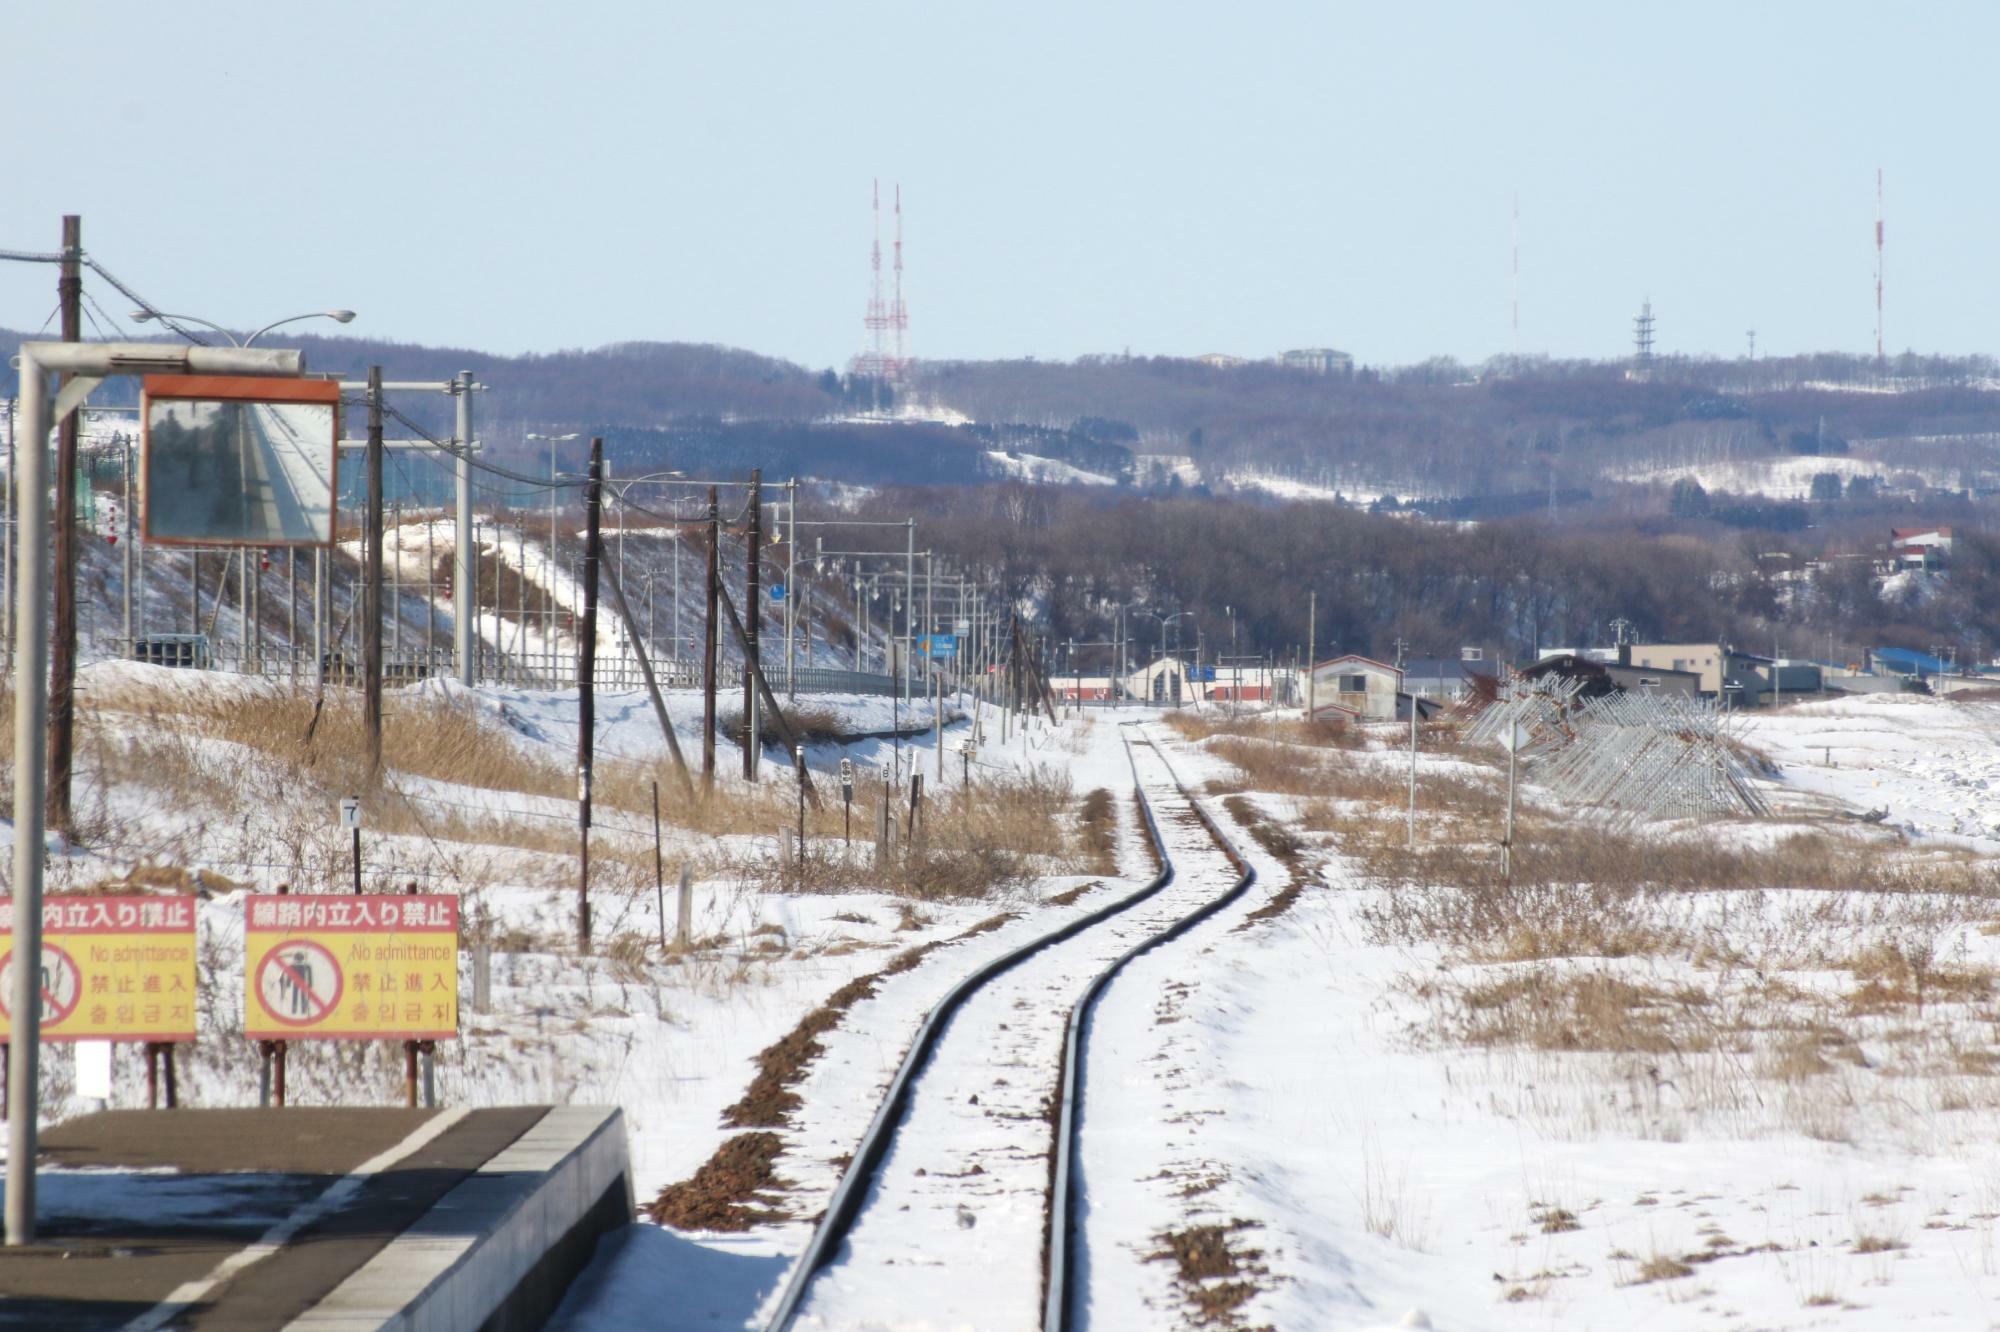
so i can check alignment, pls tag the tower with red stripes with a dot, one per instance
(885, 358)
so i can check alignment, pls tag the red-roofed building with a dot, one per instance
(1920, 547)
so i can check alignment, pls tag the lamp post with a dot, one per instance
(338, 317)
(551, 441)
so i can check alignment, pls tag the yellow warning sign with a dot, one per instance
(350, 968)
(112, 968)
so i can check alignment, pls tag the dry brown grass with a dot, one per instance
(1904, 972)
(1661, 1267)
(1211, 722)
(1543, 1008)
(422, 736)
(1099, 832)
(961, 845)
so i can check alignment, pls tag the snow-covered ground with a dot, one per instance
(1292, 488)
(1773, 1143)
(1788, 477)
(1932, 764)
(1048, 471)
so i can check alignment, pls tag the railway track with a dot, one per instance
(964, 1186)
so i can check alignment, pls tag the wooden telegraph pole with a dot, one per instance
(586, 683)
(62, 647)
(371, 626)
(752, 616)
(708, 647)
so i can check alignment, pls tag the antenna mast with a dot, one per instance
(1879, 358)
(876, 362)
(1642, 341)
(1517, 278)
(899, 314)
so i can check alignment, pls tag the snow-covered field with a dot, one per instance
(1786, 477)
(1769, 1105)
(1049, 471)
(1291, 488)
(1933, 765)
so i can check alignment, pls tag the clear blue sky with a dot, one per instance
(1172, 178)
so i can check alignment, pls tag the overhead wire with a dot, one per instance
(140, 301)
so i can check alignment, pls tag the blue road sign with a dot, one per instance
(777, 591)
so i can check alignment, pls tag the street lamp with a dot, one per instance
(552, 441)
(338, 316)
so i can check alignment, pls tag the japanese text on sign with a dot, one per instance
(358, 968)
(111, 969)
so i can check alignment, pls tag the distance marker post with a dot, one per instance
(350, 819)
(847, 802)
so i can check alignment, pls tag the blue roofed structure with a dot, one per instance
(1904, 661)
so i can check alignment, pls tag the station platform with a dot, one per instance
(323, 1220)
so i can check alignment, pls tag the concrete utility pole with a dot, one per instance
(752, 617)
(909, 603)
(462, 610)
(709, 645)
(62, 672)
(1413, 770)
(586, 678)
(125, 529)
(792, 587)
(371, 625)
(1312, 652)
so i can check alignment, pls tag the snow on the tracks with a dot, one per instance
(954, 1232)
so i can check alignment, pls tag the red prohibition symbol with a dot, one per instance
(299, 983)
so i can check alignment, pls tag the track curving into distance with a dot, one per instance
(898, 1238)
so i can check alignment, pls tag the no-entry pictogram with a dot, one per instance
(112, 968)
(298, 983)
(339, 967)
(61, 984)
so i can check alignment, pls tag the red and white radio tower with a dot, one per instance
(1879, 360)
(899, 314)
(877, 362)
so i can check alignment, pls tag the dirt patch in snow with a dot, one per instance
(732, 1191)
(1284, 845)
(1212, 1271)
(1069, 898)
(719, 1196)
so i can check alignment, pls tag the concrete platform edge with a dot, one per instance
(499, 1250)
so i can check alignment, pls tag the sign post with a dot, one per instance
(799, 756)
(847, 802)
(350, 819)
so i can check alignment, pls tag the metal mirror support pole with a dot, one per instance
(31, 593)
(461, 562)
(90, 362)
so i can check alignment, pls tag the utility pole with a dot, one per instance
(1413, 770)
(371, 627)
(462, 609)
(62, 656)
(909, 603)
(586, 680)
(708, 647)
(752, 616)
(792, 586)
(125, 537)
(1312, 653)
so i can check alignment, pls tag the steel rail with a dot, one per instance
(850, 1195)
(1062, 1190)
